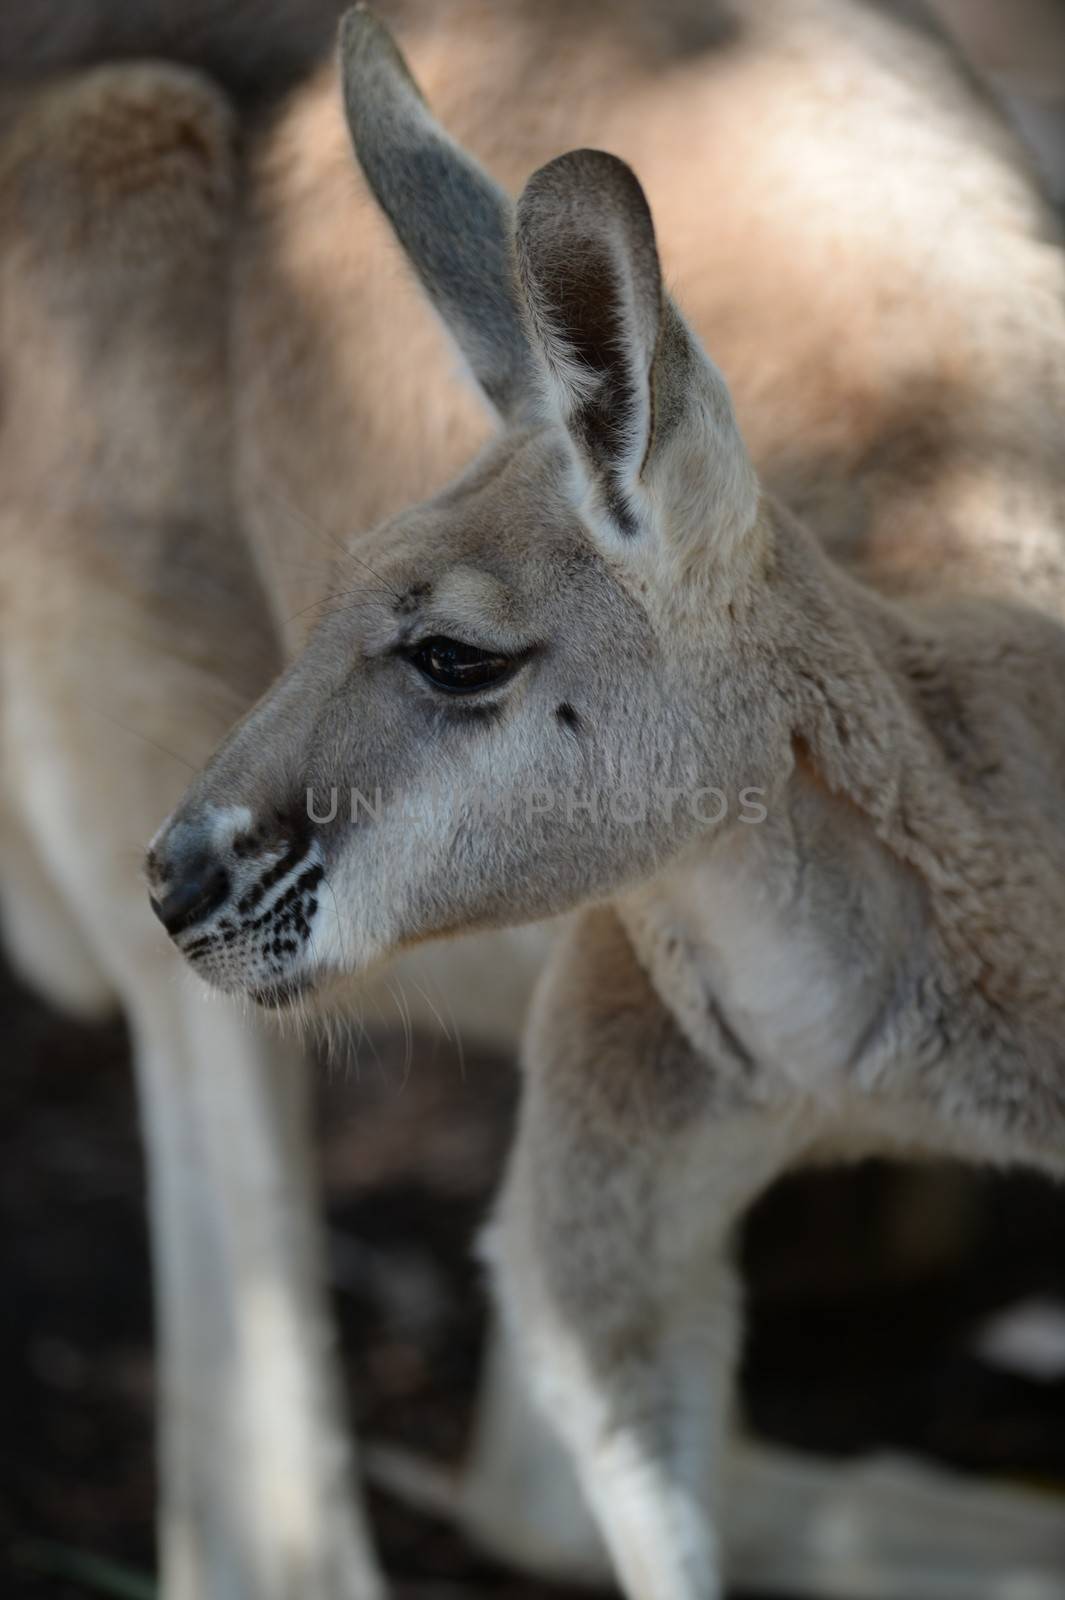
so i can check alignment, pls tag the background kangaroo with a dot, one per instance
(915, 427)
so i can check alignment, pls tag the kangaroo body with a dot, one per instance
(224, 371)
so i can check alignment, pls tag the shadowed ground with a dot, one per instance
(866, 1288)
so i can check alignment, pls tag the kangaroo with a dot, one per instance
(215, 359)
(610, 602)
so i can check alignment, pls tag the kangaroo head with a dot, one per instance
(543, 684)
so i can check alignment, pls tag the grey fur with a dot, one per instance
(874, 967)
(453, 221)
(216, 371)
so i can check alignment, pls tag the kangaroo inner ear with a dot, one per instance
(454, 223)
(589, 273)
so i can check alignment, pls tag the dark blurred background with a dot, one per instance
(870, 1298)
(916, 1309)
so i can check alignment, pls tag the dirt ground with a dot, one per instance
(864, 1292)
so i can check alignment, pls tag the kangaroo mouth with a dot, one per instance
(259, 939)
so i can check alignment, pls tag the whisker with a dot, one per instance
(146, 738)
(328, 600)
(399, 995)
(345, 553)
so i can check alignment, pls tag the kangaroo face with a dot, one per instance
(541, 685)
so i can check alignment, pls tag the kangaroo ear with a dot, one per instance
(454, 223)
(632, 386)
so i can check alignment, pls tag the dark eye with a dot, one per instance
(459, 668)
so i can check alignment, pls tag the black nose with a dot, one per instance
(198, 892)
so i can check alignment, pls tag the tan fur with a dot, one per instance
(132, 632)
(876, 280)
(875, 376)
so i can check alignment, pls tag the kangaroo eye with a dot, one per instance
(459, 668)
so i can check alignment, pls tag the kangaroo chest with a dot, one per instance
(783, 946)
